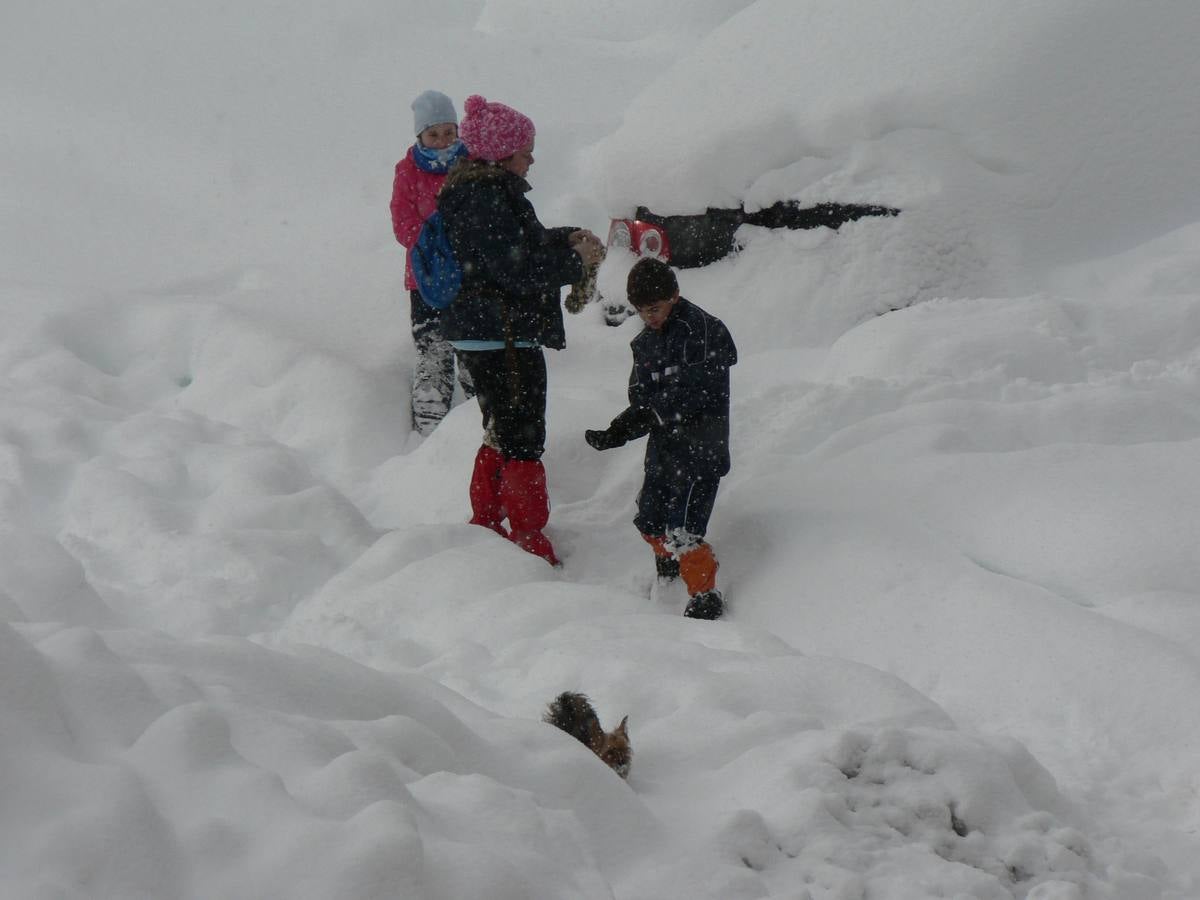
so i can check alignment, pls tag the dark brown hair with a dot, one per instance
(650, 281)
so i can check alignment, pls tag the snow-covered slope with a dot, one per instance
(250, 649)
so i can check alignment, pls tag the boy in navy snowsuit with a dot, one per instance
(679, 396)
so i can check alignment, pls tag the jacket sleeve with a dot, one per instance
(525, 261)
(406, 218)
(632, 423)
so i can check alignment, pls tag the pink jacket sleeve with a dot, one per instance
(406, 203)
(414, 199)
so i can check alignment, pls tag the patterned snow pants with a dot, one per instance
(433, 374)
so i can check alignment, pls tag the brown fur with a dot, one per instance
(574, 714)
(465, 169)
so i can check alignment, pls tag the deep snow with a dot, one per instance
(250, 648)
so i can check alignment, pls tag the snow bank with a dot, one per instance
(1016, 138)
(137, 766)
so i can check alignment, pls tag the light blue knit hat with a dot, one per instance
(432, 108)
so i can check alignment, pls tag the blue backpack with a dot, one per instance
(437, 272)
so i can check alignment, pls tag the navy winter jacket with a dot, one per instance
(679, 394)
(513, 266)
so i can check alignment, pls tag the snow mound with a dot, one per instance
(1012, 144)
(135, 765)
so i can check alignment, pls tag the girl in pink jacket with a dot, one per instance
(419, 177)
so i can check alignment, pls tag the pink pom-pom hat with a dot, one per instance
(493, 131)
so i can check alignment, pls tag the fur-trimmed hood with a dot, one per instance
(467, 171)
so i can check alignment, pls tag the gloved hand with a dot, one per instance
(601, 439)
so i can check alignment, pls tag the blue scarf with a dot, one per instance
(437, 161)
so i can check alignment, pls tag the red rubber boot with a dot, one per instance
(523, 493)
(486, 507)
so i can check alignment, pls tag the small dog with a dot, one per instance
(573, 713)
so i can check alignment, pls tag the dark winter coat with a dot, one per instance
(513, 266)
(679, 395)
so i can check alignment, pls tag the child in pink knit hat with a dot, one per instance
(493, 131)
(506, 313)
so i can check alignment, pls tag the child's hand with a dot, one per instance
(601, 439)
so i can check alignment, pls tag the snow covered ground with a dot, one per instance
(250, 649)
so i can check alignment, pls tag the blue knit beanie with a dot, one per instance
(432, 108)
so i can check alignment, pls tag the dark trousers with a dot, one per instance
(511, 388)
(675, 506)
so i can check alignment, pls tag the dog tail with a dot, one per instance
(574, 714)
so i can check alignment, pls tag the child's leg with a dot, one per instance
(464, 377)
(656, 542)
(511, 389)
(523, 493)
(698, 565)
(665, 565)
(433, 374)
(486, 506)
(652, 523)
(673, 517)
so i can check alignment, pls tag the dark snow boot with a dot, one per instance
(523, 493)
(708, 605)
(666, 567)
